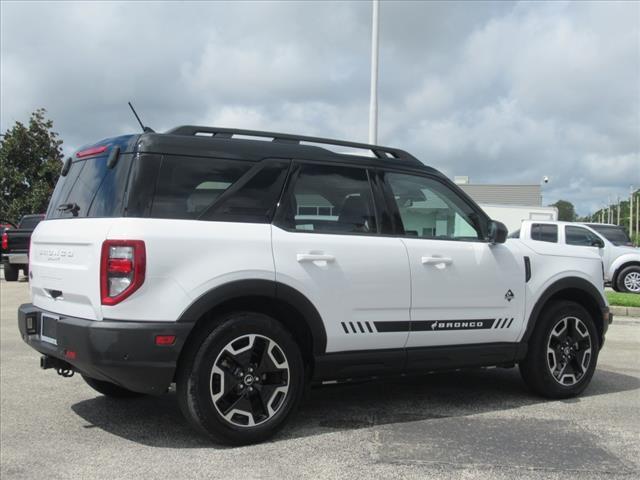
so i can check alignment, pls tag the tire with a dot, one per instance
(629, 280)
(579, 336)
(242, 382)
(10, 273)
(109, 389)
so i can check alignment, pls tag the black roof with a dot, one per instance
(256, 145)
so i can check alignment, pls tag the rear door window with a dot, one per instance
(330, 199)
(544, 232)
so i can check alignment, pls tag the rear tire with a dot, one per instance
(562, 352)
(109, 389)
(10, 273)
(241, 383)
(629, 280)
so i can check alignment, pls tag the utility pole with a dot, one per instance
(637, 216)
(631, 212)
(373, 104)
(618, 222)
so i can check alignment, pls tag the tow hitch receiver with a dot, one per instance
(63, 368)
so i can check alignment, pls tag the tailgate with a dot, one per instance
(65, 265)
(18, 240)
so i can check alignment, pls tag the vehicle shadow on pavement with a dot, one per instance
(157, 421)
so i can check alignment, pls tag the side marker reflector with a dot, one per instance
(165, 339)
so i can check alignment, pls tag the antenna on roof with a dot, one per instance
(144, 129)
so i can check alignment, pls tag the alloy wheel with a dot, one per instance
(632, 282)
(249, 380)
(569, 351)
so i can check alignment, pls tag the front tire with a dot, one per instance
(10, 273)
(562, 353)
(109, 389)
(243, 381)
(629, 280)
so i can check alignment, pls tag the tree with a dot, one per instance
(566, 210)
(30, 162)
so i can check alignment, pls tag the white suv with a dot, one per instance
(621, 260)
(243, 269)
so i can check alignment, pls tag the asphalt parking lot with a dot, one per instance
(477, 424)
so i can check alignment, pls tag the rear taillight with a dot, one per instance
(122, 269)
(5, 241)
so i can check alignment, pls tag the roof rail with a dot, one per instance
(378, 151)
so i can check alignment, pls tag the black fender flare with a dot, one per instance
(573, 283)
(261, 288)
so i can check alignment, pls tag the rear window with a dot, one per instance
(30, 222)
(616, 235)
(544, 232)
(91, 189)
(188, 186)
(213, 189)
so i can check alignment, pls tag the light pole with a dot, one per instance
(373, 103)
(631, 212)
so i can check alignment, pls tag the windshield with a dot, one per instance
(615, 235)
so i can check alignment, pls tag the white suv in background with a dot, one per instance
(621, 261)
(244, 265)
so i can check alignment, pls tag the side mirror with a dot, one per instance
(497, 232)
(597, 242)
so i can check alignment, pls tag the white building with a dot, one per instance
(509, 204)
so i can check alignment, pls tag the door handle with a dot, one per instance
(314, 257)
(437, 261)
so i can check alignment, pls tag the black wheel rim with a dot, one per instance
(569, 351)
(249, 380)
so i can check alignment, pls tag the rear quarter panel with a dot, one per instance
(186, 259)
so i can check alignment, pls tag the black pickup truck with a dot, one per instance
(15, 247)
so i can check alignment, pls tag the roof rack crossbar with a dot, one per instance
(215, 132)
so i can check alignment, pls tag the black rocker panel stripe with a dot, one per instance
(345, 327)
(385, 327)
(434, 325)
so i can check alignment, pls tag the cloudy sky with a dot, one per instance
(501, 92)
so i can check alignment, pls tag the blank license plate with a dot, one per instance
(48, 325)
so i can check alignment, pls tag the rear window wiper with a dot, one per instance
(74, 208)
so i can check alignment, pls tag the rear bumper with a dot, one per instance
(18, 258)
(120, 352)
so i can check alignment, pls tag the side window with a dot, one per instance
(544, 232)
(330, 199)
(429, 209)
(254, 197)
(187, 186)
(579, 236)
